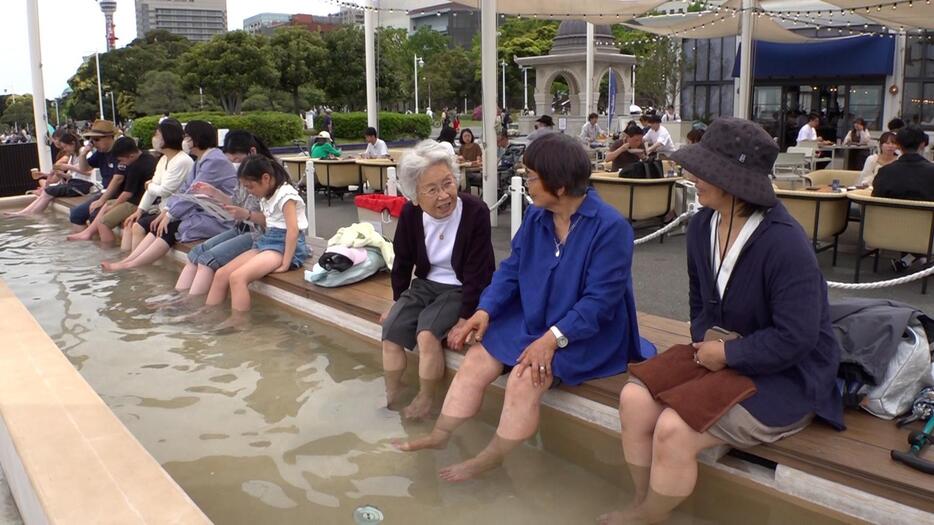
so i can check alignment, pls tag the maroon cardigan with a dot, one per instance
(472, 260)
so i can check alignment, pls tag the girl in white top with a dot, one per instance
(858, 135)
(66, 179)
(171, 170)
(888, 153)
(281, 248)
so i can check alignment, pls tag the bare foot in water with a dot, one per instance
(80, 236)
(238, 321)
(13, 214)
(419, 408)
(471, 468)
(111, 266)
(629, 516)
(438, 439)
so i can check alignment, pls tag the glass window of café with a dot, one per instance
(706, 78)
(783, 107)
(918, 95)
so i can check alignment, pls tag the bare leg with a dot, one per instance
(463, 399)
(430, 374)
(264, 263)
(106, 234)
(638, 414)
(147, 241)
(35, 207)
(394, 361)
(88, 233)
(153, 252)
(126, 238)
(221, 282)
(674, 465)
(204, 276)
(186, 276)
(518, 422)
(139, 233)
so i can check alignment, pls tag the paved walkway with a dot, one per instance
(659, 270)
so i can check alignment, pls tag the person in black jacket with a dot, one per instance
(910, 177)
(445, 237)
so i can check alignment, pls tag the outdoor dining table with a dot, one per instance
(295, 165)
(847, 154)
(323, 169)
(375, 171)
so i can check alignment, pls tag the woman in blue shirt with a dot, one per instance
(559, 309)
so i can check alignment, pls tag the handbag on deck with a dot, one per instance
(699, 396)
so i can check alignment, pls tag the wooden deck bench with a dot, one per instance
(858, 457)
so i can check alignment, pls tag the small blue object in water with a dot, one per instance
(367, 515)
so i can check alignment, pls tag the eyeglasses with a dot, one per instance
(448, 185)
(531, 179)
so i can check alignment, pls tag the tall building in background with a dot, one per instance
(108, 7)
(196, 20)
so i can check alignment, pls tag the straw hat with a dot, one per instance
(324, 135)
(101, 128)
(735, 155)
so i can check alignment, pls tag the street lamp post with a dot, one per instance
(525, 88)
(502, 64)
(113, 107)
(57, 121)
(417, 61)
(100, 92)
(201, 94)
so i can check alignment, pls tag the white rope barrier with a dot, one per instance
(668, 227)
(882, 284)
(499, 203)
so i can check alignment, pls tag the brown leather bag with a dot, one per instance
(699, 396)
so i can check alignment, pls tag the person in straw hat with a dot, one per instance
(323, 147)
(759, 312)
(102, 135)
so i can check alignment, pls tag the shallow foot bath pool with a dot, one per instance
(284, 422)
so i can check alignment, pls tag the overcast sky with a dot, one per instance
(72, 29)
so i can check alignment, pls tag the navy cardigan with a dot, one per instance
(776, 299)
(472, 259)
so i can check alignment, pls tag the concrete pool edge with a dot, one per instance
(66, 455)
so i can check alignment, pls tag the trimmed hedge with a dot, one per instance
(392, 126)
(276, 129)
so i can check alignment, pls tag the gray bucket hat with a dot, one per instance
(735, 155)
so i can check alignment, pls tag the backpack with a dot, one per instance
(907, 373)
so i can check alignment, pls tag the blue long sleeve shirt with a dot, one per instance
(586, 292)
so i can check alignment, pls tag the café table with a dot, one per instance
(375, 172)
(338, 173)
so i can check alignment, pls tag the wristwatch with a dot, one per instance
(562, 340)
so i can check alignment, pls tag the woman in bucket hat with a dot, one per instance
(758, 298)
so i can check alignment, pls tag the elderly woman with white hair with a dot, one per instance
(445, 237)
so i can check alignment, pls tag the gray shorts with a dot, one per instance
(740, 429)
(426, 305)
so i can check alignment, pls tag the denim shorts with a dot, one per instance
(221, 249)
(274, 240)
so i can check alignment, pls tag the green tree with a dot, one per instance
(18, 112)
(394, 68)
(344, 79)
(451, 77)
(121, 72)
(427, 44)
(296, 56)
(518, 37)
(658, 66)
(161, 91)
(227, 66)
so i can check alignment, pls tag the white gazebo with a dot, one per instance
(568, 59)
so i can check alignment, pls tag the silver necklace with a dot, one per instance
(558, 244)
